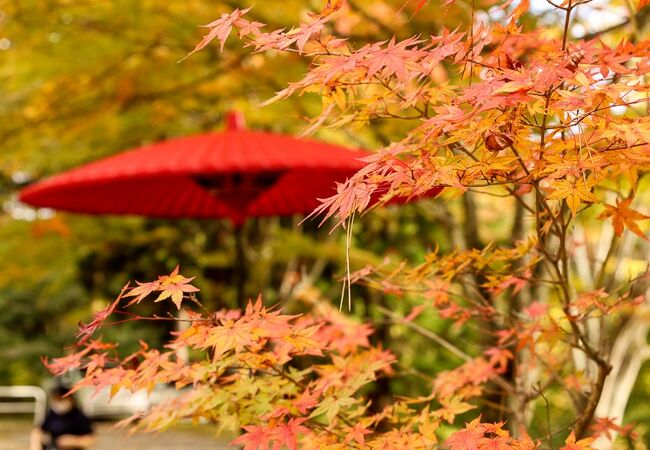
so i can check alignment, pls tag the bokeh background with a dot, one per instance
(83, 79)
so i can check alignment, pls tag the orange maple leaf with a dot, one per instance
(302, 340)
(572, 444)
(357, 434)
(624, 217)
(499, 357)
(231, 335)
(520, 10)
(173, 285)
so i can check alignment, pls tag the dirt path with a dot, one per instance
(14, 435)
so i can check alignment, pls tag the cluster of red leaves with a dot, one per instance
(487, 131)
(467, 379)
(487, 436)
(605, 426)
(482, 436)
(297, 380)
(286, 380)
(261, 436)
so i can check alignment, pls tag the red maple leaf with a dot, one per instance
(256, 437)
(219, 29)
(306, 401)
(287, 434)
(499, 357)
(467, 439)
(535, 310)
(141, 291)
(301, 35)
(604, 426)
(391, 60)
(87, 330)
(61, 365)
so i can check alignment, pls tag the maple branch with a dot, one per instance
(582, 343)
(567, 20)
(577, 120)
(500, 381)
(539, 193)
(555, 5)
(426, 333)
(493, 405)
(423, 112)
(562, 271)
(540, 391)
(582, 424)
(195, 300)
(283, 374)
(470, 224)
(136, 317)
(511, 191)
(576, 398)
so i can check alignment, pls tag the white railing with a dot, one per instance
(36, 407)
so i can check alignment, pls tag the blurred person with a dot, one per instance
(65, 427)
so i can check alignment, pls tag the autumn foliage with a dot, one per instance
(285, 379)
(555, 127)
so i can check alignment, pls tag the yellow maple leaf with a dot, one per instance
(427, 427)
(573, 192)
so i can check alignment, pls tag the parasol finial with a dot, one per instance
(235, 121)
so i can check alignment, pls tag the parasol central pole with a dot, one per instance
(241, 268)
(235, 121)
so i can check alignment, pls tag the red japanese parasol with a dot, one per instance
(234, 174)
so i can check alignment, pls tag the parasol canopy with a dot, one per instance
(234, 174)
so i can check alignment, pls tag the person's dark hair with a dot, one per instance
(60, 391)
